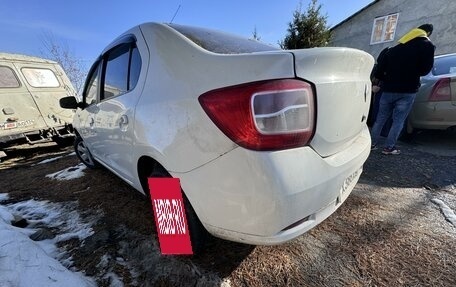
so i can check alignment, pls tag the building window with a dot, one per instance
(384, 29)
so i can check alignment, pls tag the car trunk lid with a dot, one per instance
(341, 77)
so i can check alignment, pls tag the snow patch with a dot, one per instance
(48, 160)
(69, 173)
(4, 196)
(53, 159)
(25, 262)
(113, 279)
(54, 215)
(446, 210)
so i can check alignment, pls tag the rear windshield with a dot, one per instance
(444, 65)
(220, 42)
(40, 78)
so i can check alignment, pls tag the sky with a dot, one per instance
(86, 27)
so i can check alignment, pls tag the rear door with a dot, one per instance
(47, 87)
(341, 77)
(114, 120)
(19, 113)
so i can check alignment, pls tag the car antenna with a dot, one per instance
(175, 13)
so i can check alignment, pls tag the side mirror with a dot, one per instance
(70, 103)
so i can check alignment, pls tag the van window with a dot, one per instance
(40, 78)
(8, 78)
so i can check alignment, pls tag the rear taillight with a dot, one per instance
(441, 91)
(268, 115)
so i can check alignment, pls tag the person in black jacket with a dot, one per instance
(400, 70)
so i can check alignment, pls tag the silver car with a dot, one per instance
(435, 104)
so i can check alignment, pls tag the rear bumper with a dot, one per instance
(272, 197)
(433, 115)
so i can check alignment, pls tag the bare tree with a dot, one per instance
(60, 52)
(255, 35)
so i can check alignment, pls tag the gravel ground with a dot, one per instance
(389, 232)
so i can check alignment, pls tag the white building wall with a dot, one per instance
(356, 31)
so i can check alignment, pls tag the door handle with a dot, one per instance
(123, 120)
(123, 123)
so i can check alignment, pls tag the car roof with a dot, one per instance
(445, 55)
(24, 58)
(208, 39)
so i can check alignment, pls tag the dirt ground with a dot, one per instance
(387, 233)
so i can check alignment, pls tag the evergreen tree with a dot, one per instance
(307, 30)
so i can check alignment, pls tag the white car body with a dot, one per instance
(252, 196)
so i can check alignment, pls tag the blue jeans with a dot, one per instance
(397, 104)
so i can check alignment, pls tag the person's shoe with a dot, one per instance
(392, 150)
(374, 147)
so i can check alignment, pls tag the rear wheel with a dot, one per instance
(83, 153)
(198, 234)
(408, 132)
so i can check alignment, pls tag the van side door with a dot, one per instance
(47, 86)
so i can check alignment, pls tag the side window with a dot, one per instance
(135, 68)
(90, 94)
(116, 75)
(8, 78)
(122, 69)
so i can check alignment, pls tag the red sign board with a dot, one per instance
(169, 214)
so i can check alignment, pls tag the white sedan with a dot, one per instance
(267, 143)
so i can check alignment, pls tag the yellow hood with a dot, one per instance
(414, 33)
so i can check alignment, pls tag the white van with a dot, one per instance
(30, 90)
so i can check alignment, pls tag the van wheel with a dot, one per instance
(198, 234)
(83, 153)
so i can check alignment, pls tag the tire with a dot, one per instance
(198, 234)
(408, 132)
(83, 153)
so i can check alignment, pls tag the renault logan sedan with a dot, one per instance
(267, 143)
